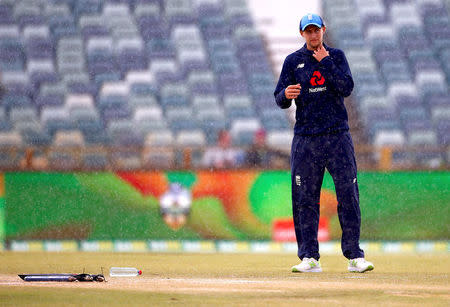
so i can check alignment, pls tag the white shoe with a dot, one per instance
(360, 265)
(307, 265)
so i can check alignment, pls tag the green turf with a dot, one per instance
(423, 280)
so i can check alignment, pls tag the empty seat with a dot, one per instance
(205, 102)
(152, 126)
(180, 11)
(113, 94)
(130, 54)
(230, 101)
(70, 138)
(11, 139)
(142, 101)
(174, 95)
(39, 48)
(240, 112)
(80, 101)
(41, 71)
(56, 118)
(160, 48)
(404, 14)
(160, 138)
(63, 159)
(11, 156)
(125, 132)
(440, 113)
(389, 138)
(87, 7)
(369, 102)
(164, 71)
(431, 78)
(141, 83)
(202, 82)
(212, 120)
(17, 82)
(243, 130)
(4, 121)
(402, 89)
(280, 139)
(33, 133)
(181, 118)
(422, 137)
(95, 160)
(148, 113)
(88, 121)
(62, 26)
(10, 100)
(411, 114)
(190, 138)
(25, 114)
(274, 119)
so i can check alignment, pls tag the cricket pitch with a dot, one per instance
(225, 279)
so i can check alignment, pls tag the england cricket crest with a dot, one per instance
(175, 205)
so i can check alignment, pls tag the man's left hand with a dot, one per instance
(320, 53)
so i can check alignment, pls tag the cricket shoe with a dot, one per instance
(360, 265)
(307, 265)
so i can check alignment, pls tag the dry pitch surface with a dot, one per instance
(226, 279)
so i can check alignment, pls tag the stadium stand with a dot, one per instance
(140, 76)
(399, 56)
(131, 73)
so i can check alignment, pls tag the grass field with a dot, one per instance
(226, 279)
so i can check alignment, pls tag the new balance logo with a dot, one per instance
(301, 65)
(298, 180)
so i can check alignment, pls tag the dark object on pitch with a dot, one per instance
(63, 277)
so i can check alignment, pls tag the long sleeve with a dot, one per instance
(286, 79)
(337, 71)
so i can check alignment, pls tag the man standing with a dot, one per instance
(318, 78)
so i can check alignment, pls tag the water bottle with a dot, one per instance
(124, 272)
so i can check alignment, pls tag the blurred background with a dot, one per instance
(108, 105)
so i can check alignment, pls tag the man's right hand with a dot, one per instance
(292, 91)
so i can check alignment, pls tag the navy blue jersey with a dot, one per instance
(320, 105)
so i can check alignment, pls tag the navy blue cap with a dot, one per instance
(311, 19)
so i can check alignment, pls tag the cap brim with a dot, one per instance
(311, 23)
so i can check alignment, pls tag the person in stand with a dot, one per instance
(317, 77)
(223, 155)
(260, 155)
(257, 155)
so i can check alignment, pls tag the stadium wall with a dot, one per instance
(221, 205)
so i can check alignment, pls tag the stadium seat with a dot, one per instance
(4, 121)
(281, 139)
(11, 152)
(190, 138)
(243, 130)
(70, 138)
(389, 138)
(181, 118)
(160, 138)
(124, 132)
(205, 102)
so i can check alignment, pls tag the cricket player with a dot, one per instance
(318, 78)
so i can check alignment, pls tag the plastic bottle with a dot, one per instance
(124, 272)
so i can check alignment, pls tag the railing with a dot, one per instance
(111, 158)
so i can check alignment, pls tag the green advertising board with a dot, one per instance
(227, 205)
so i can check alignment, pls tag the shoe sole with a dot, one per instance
(354, 270)
(314, 270)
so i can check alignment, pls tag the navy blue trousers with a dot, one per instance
(310, 155)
